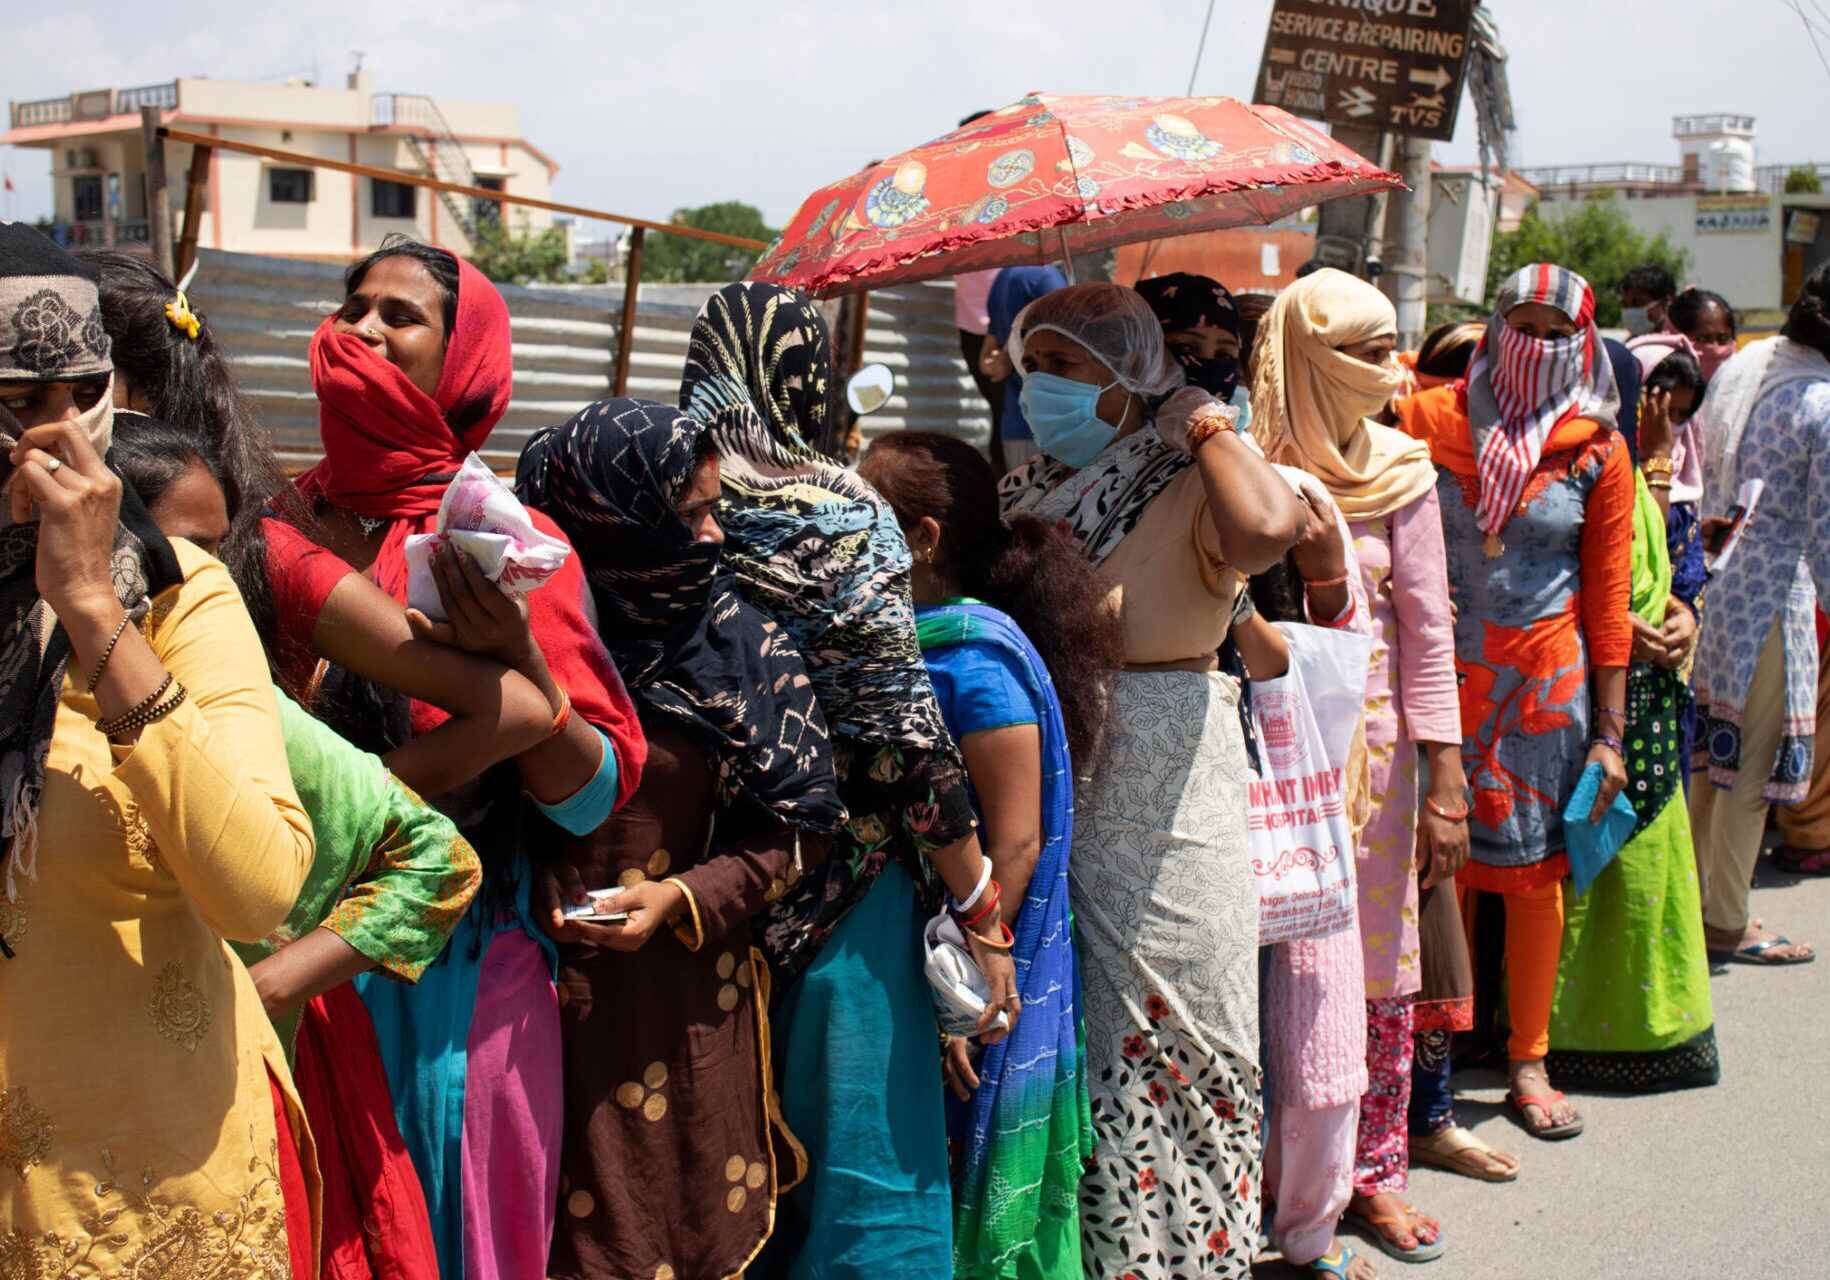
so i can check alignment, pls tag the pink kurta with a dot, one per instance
(1411, 697)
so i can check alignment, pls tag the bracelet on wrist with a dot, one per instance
(1323, 584)
(987, 910)
(101, 663)
(564, 716)
(961, 906)
(149, 712)
(1006, 940)
(1655, 466)
(1447, 815)
(1609, 741)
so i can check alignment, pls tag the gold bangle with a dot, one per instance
(1656, 466)
(1658, 483)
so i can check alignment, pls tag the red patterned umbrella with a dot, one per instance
(1051, 174)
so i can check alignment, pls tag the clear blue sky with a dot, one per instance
(651, 105)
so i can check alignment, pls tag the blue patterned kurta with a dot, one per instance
(1770, 579)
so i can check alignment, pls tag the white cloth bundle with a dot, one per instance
(480, 516)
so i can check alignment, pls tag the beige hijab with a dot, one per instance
(1311, 404)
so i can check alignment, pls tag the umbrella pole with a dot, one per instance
(1067, 259)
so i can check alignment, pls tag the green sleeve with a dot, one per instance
(392, 876)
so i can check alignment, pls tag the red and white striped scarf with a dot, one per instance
(1520, 388)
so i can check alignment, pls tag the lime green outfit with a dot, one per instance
(392, 877)
(1632, 1011)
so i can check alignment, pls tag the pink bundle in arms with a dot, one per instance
(481, 517)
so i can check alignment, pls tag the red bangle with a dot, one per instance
(1326, 583)
(990, 905)
(564, 717)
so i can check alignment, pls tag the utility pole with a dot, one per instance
(1407, 273)
(158, 193)
(1355, 222)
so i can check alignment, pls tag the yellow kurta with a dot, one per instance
(136, 1121)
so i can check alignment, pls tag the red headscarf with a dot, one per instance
(389, 448)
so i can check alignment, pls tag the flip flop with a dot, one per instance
(1544, 1102)
(1377, 1223)
(1457, 1150)
(1802, 862)
(1337, 1267)
(1756, 953)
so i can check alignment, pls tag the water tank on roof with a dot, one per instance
(1728, 165)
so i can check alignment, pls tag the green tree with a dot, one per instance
(1802, 179)
(521, 257)
(673, 259)
(1594, 238)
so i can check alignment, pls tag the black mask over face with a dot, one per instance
(1217, 376)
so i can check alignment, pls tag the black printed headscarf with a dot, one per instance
(1183, 301)
(687, 645)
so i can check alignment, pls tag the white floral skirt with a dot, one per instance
(1167, 917)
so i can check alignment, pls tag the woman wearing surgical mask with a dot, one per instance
(1174, 506)
(1537, 495)
(1325, 370)
(1203, 328)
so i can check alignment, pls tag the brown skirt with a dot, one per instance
(1446, 1000)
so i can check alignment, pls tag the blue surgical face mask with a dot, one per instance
(1636, 320)
(1064, 415)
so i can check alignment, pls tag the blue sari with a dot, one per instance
(1027, 1131)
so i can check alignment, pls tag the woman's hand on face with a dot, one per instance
(1655, 423)
(61, 482)
(1613, 779)
(481, 617)
(1679, 634)
(1648, 642)
(956, 1066)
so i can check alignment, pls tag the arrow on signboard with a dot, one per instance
(1436, 78)
(1357, 101)
(1283, 55)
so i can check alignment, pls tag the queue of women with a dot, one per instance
(307, 963)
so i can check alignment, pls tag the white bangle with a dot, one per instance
(984, 879)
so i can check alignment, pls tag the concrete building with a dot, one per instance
(92, 140)
(1747, 239)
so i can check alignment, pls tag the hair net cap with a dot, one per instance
(1114, 324)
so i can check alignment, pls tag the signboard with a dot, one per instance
(1395, 65)
(94, 104)
(1719, 214)
(1802, 227)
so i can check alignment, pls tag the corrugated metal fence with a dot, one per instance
(264, 311)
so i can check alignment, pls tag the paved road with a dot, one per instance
(1722, 1182)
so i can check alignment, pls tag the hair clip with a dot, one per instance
(183, 319)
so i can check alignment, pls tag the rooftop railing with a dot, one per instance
(94, 104)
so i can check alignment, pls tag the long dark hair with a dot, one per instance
(1032, 570)
(186, 381)
(150, 455)
(1808, 322)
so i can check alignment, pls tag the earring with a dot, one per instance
(928, 557)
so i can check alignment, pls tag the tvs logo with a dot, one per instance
(1280, 718)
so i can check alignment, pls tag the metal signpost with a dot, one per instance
(1396, 65)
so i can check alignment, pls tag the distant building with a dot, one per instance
(1746, 238)
(257, 205)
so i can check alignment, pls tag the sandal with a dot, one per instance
(1380, 1224)
(1760, 952)
(1544, 1102)
(1458, 1150)
(1336, 1266)
(1802, 862)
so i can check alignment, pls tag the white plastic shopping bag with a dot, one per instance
(1300, 840)
(481, 516)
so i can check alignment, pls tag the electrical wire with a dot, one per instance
(1200, 48)
(1810, 30)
